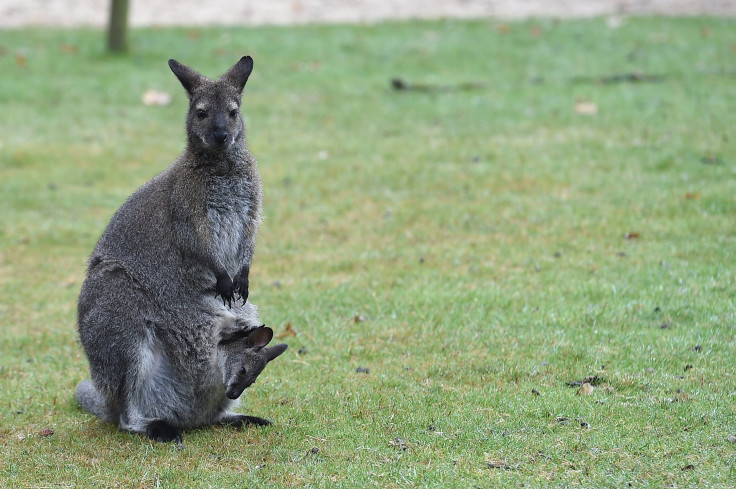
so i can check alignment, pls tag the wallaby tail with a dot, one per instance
(92, 401)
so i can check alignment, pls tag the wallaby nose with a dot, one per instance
(220, 135)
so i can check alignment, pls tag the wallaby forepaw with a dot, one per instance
(240, 286)
(224, 289)
(162, 430)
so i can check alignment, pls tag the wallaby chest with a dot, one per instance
(232, 205)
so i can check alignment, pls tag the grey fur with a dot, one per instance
(148, 316)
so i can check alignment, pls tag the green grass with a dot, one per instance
(478, 235)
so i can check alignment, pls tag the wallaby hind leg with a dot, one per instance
(162, 430)
(155, 429)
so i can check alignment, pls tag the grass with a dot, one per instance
(466, 244)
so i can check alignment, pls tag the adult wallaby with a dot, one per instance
(148, 314)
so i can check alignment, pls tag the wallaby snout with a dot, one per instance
(220, 136)
(234, 391)
(220, 130)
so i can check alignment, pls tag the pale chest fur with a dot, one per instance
(232, 211)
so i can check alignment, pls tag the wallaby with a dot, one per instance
(242, 356)
(149, 311)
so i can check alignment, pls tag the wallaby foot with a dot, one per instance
(162, 430)
(240, 283)
(241, 420)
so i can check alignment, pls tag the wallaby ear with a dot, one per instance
(236, 334)
(258, 338)
(273, 351)
(189, 78)
(238, 74)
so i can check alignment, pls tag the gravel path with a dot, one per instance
(70, 13)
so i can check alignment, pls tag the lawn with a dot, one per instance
(543, 203)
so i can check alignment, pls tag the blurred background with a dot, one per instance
(18, 13)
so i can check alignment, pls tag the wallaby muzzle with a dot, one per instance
(234, 391)
(219, 131)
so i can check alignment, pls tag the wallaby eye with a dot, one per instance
(201, 114)
(242, 370)
(234, 113)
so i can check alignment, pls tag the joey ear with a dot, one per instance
(273, 351)
(238, 74)
(258, 338)
(189, 78)
(232, 335)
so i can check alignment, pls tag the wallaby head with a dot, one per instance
(214, 121)
(243, 356)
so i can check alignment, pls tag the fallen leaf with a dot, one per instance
(21, 60)
(154, 97)
(711, 160)
(46, 432)
(692, 195)
(536, 31)
(631, 235)
(586, 108)
(288, 331)
(503, 28)
(614, 21)
(68, 48)
(70, 281)
(193, 34)
(586, 389)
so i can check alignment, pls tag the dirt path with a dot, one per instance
(70, 13)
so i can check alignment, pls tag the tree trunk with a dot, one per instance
(117, 30)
